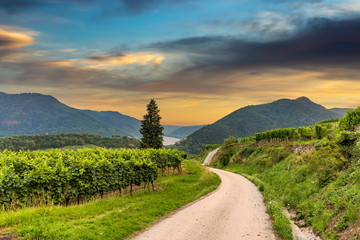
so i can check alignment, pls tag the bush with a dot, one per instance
(350, 120)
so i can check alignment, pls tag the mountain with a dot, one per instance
(249, 120)
(182, 132)
(33, 113)
(126, 126)
(340, 111)
(169, 129)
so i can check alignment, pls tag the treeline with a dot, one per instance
(43, 141)
(59, 177)
(351, 120)
(285, 134)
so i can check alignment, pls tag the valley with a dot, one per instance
(304, 169)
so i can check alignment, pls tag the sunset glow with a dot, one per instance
(200, 59)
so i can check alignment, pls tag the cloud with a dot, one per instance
(12, 39)
(322, 42)
(326, 49)
(118, 59)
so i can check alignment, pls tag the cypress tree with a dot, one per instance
(151, 128)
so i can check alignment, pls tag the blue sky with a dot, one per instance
(201, 59)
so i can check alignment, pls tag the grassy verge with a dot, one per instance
(320, 184)
(115, 217)
(274, 204)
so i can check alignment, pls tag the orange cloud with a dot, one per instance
(12, 39)
(119, 59)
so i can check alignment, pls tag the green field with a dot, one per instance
(113, 217)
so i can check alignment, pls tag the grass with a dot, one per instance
(274, 204)
(321, 185)
(115, 217)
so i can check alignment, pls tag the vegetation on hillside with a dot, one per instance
(45, 141)
(115, 217)
(314, 171)
(59, 177)
(247, 121)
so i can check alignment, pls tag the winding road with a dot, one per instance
(234, 211)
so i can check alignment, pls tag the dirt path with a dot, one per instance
(234, 211)
(209, 157)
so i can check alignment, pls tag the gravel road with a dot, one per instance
(234, 211)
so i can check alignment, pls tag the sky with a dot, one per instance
(199, 59)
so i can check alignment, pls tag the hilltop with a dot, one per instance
(34, 113)
(249, 120)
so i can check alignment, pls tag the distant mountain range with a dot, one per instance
(33, 113)
(249, 120)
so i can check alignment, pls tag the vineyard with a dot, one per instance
(59, 177)
(317, 131)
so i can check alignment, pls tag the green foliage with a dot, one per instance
(280, 134)
(211, 146)
(350, 120)
(322, 185)
(44, 141)
(331, 120)
(58, 177)
(114, 217)
(229, 141)
(347, 141)
(151, 128)
(306, 133)
(248, 121)
(320, 131)
(247, 140)
(227, 151)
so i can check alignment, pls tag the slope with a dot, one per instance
(258, 118)
(31, 113)
(125, 125)
(182, 132)
(316, 177)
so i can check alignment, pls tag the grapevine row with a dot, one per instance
(59, 177)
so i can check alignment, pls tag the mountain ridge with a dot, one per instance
(35, 113)
(248, 120)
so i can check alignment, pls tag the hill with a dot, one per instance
(125, 125)
(249, 120)
(315, 176)
(33, 113)
(340, 111)
(182, 132)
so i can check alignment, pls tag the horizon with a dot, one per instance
(199, 59)
(175, 123)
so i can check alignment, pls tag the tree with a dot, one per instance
(151, 128)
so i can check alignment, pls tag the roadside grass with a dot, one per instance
(114, 217)
(274, 204)
(321, 186)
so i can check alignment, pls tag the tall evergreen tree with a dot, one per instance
(151, 128)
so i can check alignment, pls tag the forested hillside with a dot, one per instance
(44, 141)
(33, 113)
(249, 120)
(313, 171)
